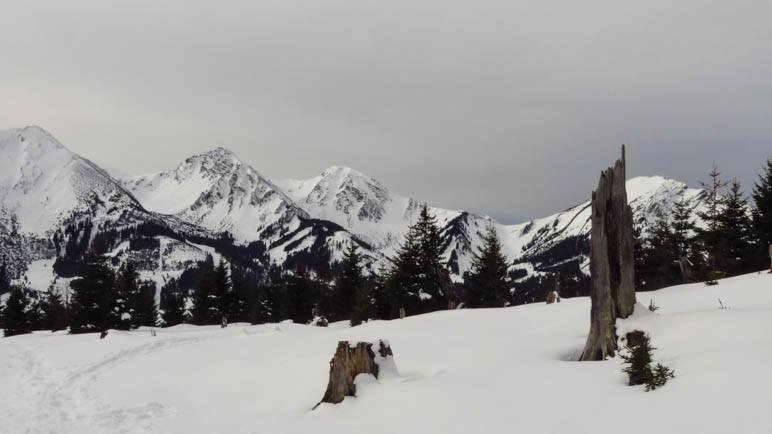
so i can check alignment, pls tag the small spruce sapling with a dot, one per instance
(638, 358)
(659, 377)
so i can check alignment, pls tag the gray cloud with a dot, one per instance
(509, 108)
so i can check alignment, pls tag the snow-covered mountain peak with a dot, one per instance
(44, 183)
(341, 194)
(218, 191)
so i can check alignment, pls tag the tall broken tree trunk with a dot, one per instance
(611, 262)
(351, 360)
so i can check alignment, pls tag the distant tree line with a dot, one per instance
(108, 297)
(732, 237)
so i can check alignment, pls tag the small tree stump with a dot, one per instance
(351, 360)
(553, 297)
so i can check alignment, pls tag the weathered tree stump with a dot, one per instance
(611, 262)
(553, 297)
(351, 360)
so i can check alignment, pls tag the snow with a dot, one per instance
(487, 370)
(43, 183)
(40, 274)
(218, 191)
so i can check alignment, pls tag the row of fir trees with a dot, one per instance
(217, 293)
(733, 236)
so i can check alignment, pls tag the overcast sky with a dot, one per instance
(509, 108)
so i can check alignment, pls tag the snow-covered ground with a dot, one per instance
(474, 371)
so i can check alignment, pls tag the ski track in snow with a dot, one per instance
(71, 403)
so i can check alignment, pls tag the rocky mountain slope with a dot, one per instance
(215, 203)
(54, 203)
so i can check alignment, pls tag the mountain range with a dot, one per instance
(55, 202)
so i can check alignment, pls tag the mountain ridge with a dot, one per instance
(217, 196)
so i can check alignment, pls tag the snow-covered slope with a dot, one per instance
(360, 204)
(647, 196)
(45, 184)
(55, 202)
(458, 371)
(219, 192)
(368, 209)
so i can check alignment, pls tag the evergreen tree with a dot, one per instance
(432, 276)
(5, 276)
(639, 252)
(124, 315)
(363, 306)
(404, 281)
(489, 280)
(145, 309)
(222, 291)
(710, 236)
(347, 283)
(381, 295)
(659, 255)
(172, 304)
(55, 312)
(637, 357)
(736, 230)
(92, 296)
(762, 214)
(16, 319)
(300, 297)
(683, 228)
(247, 295)
(204, 311)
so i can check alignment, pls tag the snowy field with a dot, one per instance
(476, 371)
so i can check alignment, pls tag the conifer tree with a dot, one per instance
(363, 306)
(710, 236)
(172, 304)
(432, 278)
(300, 298)
(347, 283)
(683, 227)
(16, 317)
(55, 312)
(92, 296)
(5, 276)
(204, 311)
(222, 291)
(145, 309)
(247, 295)
(659, 262)
(124, 313)
(762, 214)
(404, 282)
(736, 230)
(638, 358)
(489, 279)
(381, 296)
(277, 299)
